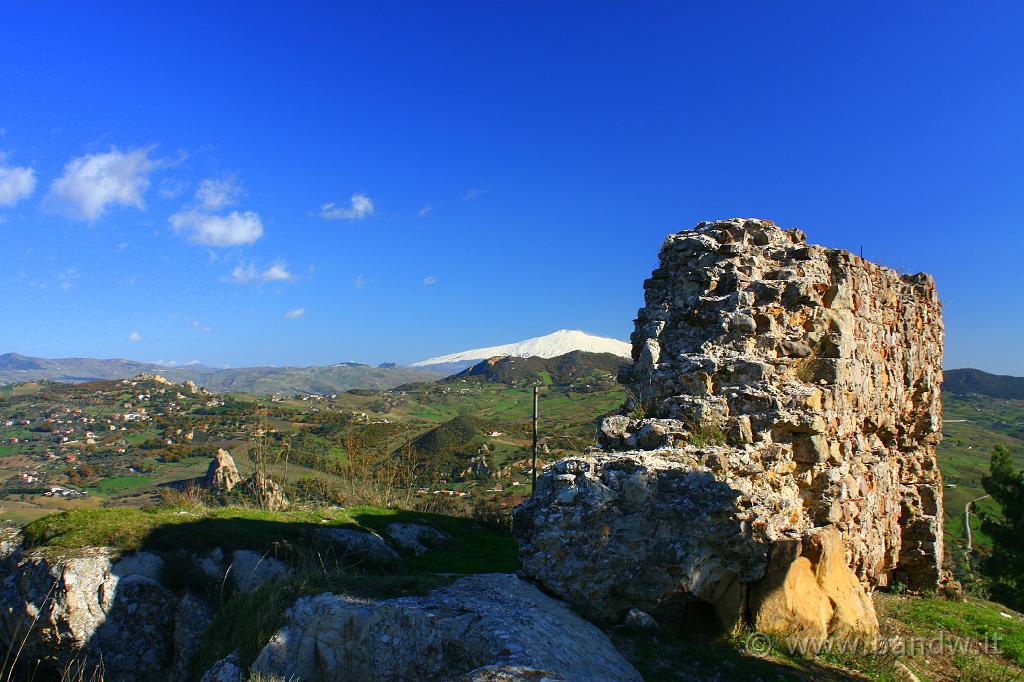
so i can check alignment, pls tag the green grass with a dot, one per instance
(974, 619)
(117, 484)
(475, 547)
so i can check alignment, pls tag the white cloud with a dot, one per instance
(233, 229)
(248, 274)
(422, 213)
(196, 324)
(277, 272)
(204, 227)
(216, 193)
(93, 182)
(16, 182)
(473, 193)
(295, 314)
(359, 282)
(135, 337)
(430, 280)
(360, 207)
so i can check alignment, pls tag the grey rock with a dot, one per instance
(251, 570)
(417, 537)
(479, 625)
(227, 669)
(641, 620)
(191, 619)
(359, 545)
(89, 608)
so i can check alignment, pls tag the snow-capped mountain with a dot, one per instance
(552, 345)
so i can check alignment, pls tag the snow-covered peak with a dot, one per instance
(552, 345)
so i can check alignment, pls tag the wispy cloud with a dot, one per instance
(135, 337)
(92, 182)
(16, 182)
(295, 314)
(196, 324)
(68, 279)
(247, 273)
(359, 282)
(424, 211)
(214, 194)
(429, 280)
(473, 193)
(172, 188)
(360, 206)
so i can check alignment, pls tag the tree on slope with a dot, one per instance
(1006, 565)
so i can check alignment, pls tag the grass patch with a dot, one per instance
(475, 547)
(116, 484)
(974, 619)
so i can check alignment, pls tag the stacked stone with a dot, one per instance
(749, 332)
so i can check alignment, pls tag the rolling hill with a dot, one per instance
(968, 381)
(598, 369)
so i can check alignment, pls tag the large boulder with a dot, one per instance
(665, 532)
(697, 537)
(482, 627)
(251, 570)
(358, 546)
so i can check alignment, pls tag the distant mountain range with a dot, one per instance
(967, 381)
(550, 346)
(321, 380)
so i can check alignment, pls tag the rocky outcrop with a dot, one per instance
(268, 494)
(222, 474)
(87, 613)
(790, 394)
(483, 627)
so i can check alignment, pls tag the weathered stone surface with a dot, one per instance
(72, 613)
(191, 619)
(417, 537)
(658, 531)
(358, 546)
(222, 474)
(251, 570)
(227, 669)
(510, 673)
(748, 329)
(489, 627)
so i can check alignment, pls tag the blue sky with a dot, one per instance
(296, 183)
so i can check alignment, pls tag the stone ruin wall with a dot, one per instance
(828, 362)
